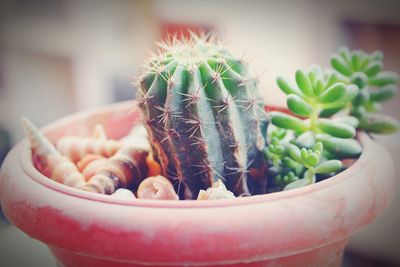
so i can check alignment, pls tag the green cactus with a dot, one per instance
(204, 117)
(375, 86)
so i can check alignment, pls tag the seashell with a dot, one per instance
(157, 187)
(127, 167)
(66, 172)
(40, 145)
(136, 141)
(124, 194)
(52, 163)
(137, 138)
(216, 191)
(89, 165)
(76, 147)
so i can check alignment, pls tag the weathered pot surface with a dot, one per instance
(308, 226)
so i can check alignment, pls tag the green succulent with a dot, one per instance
(375, 86)
(313, 165)
(283, 169)
(327, 108)
(276, 150)
(318, 93)
(292, 166)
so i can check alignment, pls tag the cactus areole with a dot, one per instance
(204, 117)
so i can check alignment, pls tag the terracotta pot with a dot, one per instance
(309, 226)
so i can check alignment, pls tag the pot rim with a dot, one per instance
(25, 161)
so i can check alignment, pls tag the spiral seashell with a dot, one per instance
(76, 147)
(62, 170)
(217, 191)
(127, 167)
(157, 187)
(89, 165)
(92, 163)
(52, 163)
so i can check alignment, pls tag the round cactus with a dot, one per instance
(204, 117)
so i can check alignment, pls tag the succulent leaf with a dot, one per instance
(333, 93)
(337, 129)
(373, 68)
(356, 60)
(286, 87)
(340, 147)
(385, 93)
(297, 184)
(295, 153)
(383, 78)
(328, 112)
(286, 121)
(298, 105)
(345, 53)
(380, 124)
(328, 166)
(340, 65)
(349, 120)
(304, 83)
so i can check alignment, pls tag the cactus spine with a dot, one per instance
(204, 117)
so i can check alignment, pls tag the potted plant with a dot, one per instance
(207, 125)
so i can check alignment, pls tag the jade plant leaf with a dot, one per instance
(340, 147)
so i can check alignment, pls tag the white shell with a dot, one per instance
(39, 143)
(124, 194)
(216, 191)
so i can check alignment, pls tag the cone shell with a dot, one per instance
(40, 145)
(51, 163)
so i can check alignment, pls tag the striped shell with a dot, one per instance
(90, 164)
(51, 163)
(126, 168)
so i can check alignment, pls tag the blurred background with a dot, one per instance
(58, 57)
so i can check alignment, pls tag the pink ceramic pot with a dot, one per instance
(309, 226)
